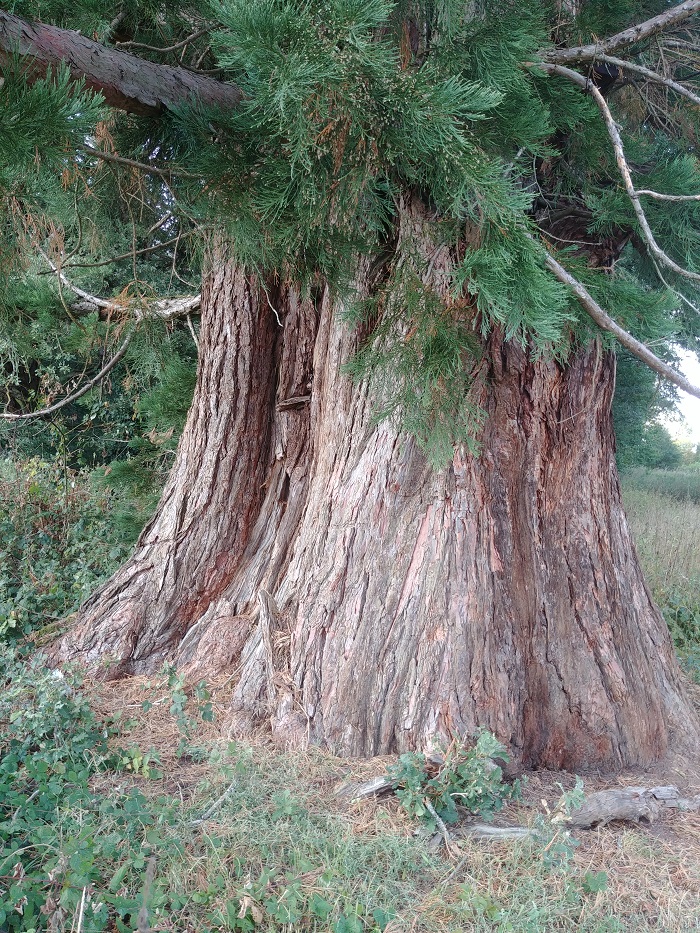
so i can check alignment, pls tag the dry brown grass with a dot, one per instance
(653, 872)
(666, 532)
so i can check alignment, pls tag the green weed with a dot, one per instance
(467, 778)
(56, 544)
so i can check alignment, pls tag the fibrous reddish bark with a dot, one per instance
(370, 603)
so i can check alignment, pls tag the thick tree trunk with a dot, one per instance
(370, 603)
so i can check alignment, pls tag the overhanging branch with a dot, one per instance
(125, 81)
(605, 322)
(636, 33)
(52, 409)
(651, 75)
(164, 309)
(614, 134)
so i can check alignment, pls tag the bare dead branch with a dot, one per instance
(614, 134)
(165, 308)
(132, 163)
(681, 297)
(109, 262)
(636, 33)
(52, 409)
(651, 75)
(169, 48)
(605, 322)
(668, 197)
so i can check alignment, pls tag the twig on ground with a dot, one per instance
(208, 813)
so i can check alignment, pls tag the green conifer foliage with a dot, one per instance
(349, 108)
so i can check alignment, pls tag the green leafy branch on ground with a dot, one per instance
(433, 789)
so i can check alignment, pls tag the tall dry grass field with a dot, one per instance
(666, 531)
(667, 534)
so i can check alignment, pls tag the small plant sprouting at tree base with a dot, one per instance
(434, 789)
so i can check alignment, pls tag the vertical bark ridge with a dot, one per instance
(186, 555)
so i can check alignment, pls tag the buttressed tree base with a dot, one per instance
(394, 515)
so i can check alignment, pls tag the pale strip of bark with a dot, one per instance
(604, 321)
(651, 76)
(616, 140)
(484, 831)
(375, 787)
(636, 33)
(268, 615)
(297, 401)
(211, 810)
(125, 81)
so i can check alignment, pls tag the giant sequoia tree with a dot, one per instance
(394, 513)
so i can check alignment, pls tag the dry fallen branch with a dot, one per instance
(626, 804)
(629, 804)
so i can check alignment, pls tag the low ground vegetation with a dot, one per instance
(110, 822)
(125, 806)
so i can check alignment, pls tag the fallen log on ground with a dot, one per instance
(625, 804)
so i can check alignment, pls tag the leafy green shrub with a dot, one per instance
(58, 838)
(683, 620)
(467, 778)
(56, 544)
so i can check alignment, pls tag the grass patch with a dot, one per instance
(682, 484)
(90, 843)
(666, 532)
